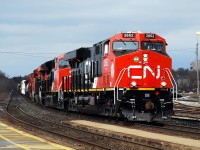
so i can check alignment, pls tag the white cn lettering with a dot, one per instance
(144, 71)
(158, 72)
(134, 67)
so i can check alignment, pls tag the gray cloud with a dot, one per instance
(59, 26)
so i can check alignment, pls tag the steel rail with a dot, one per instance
(50, 131)
(77, 139)
(90, 132)
(173, 127)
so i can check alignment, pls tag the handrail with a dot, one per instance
(59, 91)
(171, 76)
(117, 83)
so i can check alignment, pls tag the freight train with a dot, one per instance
(127, 75)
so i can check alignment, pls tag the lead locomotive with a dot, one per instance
(127, 75)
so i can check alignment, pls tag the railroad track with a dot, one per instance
(90, 138)
(185, 106)
(192, 132)
(186, 112)
(175, 129)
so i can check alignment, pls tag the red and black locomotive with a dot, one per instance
(127, 75)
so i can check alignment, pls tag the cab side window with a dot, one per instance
(106, 49)
(63, 64)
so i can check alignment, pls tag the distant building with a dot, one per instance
(193, 66)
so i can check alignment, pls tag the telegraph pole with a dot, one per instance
(197, 61)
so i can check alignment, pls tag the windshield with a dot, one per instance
(125, 45)
(158, 46)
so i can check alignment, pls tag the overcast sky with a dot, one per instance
(35, 31)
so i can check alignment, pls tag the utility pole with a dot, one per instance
(197, 61)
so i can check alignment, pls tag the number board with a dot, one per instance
(150, 35)
(128, 35)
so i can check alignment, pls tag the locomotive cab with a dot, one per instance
(143, 73)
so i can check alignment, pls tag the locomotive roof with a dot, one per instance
(48, 65)
(80, 54)
(101, 42)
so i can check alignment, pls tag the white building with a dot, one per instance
(193, 66)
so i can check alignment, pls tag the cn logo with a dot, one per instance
(145, 68)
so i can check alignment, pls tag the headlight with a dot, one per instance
(133, 83)
(163, 83)
(145, 57)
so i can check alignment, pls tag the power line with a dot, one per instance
(13, 52)
(42, 54)
(183, 49)
(30, 54)
(24, 54)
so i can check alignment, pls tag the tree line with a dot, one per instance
(185, 79)
(6, 83)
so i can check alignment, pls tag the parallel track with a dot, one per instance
(82, 136)
(176, 129)
(188, 110)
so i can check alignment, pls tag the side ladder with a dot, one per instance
(173, 82)
(116, 86)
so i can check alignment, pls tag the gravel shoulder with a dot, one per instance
(139, 133)
(97, 125)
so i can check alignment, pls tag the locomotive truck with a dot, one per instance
(127, 75)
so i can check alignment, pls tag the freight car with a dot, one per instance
(127, 75)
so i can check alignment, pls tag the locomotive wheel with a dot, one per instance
(37, 98)
(33, 96)
(40, 96)
(43, 102)
(125, 120)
